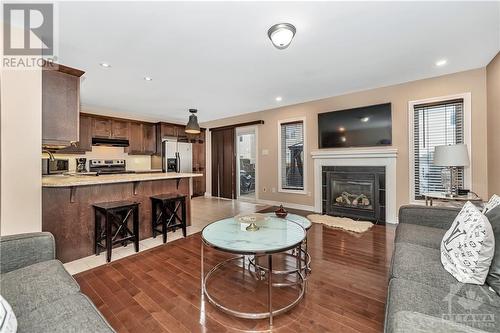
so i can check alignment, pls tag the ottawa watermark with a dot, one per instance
(464, 306)
(28, 35)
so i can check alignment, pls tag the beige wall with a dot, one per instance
(493, 83)
(21, 139)
(473, 81)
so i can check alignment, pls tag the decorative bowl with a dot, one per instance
(281, 212)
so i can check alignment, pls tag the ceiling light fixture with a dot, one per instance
(281, 35)
(105, 65)
(192, 126)
(441, 63)
(148, 78)
(279, 99)
(341, 129)
(365, 119)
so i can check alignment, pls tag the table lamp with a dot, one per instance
(451, 157)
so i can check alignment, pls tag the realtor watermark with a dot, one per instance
(465, 307)
(28, 35)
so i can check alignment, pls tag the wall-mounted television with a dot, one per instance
(360, 127)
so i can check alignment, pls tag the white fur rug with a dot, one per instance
(341, 222)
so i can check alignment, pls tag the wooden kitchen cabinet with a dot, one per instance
(60, 106)
(142, 139)
(119, 129)
(101, 127)
(149, 137)
(84, 143)
(135, 138)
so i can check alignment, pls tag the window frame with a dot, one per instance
(306, 156)
(467, 108)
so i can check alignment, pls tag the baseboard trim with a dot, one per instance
(286, 204)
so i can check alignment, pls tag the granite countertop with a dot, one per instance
(68, 181)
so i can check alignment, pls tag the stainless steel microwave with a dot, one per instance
(54, 167)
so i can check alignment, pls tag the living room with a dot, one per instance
(273, 167)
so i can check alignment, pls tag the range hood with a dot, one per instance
(110, 142)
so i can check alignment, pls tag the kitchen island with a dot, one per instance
(67, 201)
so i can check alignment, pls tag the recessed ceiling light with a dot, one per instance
(105, 65)
(441, 62)
(343, 139)
(148, 78)
(281, 35)
(279, 99)
(341, 129)
(365, 119)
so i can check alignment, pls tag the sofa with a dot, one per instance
(43, 295)
(422, 296)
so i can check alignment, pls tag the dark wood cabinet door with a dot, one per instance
(149, 138)
(135, 138)
(101, 128)
(119, 129)
(168, 130)
(60, 108)
(85, 142)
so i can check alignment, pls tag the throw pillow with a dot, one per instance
(8, 321)
(492, 203)
(467, 247)
(493, 279)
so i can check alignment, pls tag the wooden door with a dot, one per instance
(60, 108)
(149, 138)
(119, 129)
(135, 138)
(101, 128)
(85, 142)
(224, 164)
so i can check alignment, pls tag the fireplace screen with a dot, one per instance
(352, 194)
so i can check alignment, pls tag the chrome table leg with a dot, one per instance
(270, 288)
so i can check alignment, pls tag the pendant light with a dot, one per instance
(281, 35)
(192, 126)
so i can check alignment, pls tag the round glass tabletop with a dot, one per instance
(274, 235)
(301, 220)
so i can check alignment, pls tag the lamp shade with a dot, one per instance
(192, 126)
(451, 155)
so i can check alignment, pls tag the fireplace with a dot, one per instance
(357, 192)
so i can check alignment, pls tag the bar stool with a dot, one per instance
(165, 213)
(115, 216)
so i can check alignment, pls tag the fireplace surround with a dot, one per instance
(375, 156)
(357, 192)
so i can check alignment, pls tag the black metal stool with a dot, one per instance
(116, 216)
(164, 210)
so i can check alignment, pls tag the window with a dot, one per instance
(291, 155)
(434, 124)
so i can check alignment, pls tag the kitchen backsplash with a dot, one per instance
(134, 162)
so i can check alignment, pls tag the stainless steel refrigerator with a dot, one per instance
(177, 156)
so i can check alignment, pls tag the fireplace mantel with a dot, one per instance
(376, 156)
(378, 152)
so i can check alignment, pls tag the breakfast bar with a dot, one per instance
(67, 204)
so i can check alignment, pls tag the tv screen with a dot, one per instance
(359, 127)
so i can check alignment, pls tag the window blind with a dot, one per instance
(292, 155)
(434, 125)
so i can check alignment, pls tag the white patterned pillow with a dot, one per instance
(8, 321)
(468, 246)
(494, 201)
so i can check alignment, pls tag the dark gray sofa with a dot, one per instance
(422, 295)
(43, 295)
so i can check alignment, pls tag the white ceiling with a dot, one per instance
(216, 56)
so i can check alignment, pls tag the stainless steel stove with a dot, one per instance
(103, 167)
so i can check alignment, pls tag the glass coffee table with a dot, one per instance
(274, 235)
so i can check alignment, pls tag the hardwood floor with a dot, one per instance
(158, 290)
